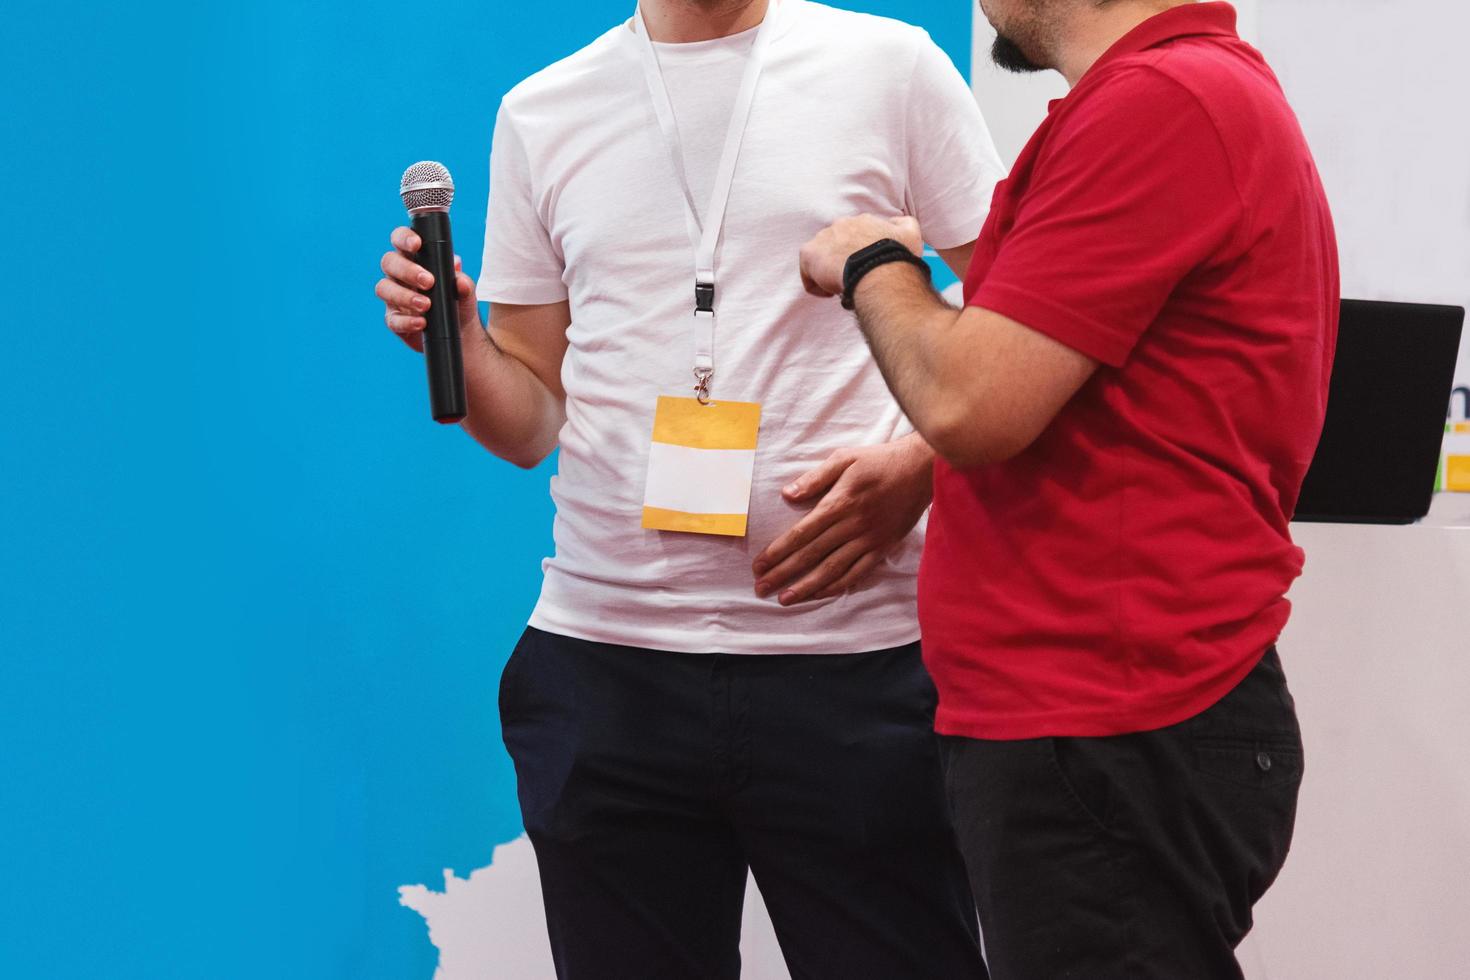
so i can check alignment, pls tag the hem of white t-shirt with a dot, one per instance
(520, 293)
(958, 226)
(548, 618)
(961, 233)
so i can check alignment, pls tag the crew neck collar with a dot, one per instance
(789, 11)
(739, 41)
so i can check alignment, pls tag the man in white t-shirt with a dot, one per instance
(705, 689)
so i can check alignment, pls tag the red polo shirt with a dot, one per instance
(1130, 567)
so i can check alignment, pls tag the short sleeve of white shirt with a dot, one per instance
(952, 162)
(521, 265)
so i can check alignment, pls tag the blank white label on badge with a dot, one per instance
(700, 466)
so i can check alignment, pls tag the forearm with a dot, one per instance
(512, 413)
(979, 386)
(913, 335)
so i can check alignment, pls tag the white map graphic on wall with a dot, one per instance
(490, 926)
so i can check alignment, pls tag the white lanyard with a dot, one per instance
(707, 239)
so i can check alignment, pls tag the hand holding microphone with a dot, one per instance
(427, 295)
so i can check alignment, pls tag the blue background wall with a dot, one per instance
(253, 605)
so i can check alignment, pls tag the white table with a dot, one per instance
(1378, 656)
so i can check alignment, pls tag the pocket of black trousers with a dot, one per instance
(1082, 776)
(510, 674)
(1253, 761)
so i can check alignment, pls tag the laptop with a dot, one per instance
(1390, 394)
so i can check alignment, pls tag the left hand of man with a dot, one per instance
(824, 258)
(868, 500)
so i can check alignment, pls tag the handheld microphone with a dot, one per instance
(427, 191)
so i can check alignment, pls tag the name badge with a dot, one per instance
(700, 466)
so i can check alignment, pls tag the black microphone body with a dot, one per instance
(442, 351)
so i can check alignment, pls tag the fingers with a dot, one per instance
(818, 536)
(402, 269)
(829, 571)
(812, 288)
(815, 482)
(821, 517)
(405, 240)
(810, 255)
(401, 287)
(403, 323)
(399, 264)
(410, 329)
(819, 480)
(399, 298)
(860, 570)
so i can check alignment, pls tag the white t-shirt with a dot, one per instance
(853, 113)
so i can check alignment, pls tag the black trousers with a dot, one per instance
(1138, 856)
(650, 782)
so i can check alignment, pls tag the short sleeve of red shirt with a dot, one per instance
(1115, 216)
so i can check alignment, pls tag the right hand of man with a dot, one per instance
(403, 286)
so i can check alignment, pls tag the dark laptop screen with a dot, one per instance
(1385, 414)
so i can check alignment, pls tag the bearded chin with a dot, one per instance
(1008, 55)
(718, 6)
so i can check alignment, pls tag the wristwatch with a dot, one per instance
(865, 260)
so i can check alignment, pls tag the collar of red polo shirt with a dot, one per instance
(1188, 20)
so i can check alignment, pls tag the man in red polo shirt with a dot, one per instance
(1124, 411)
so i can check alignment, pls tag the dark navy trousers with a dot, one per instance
(650, 782)
(1134, 857)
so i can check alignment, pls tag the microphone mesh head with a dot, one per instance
(426, 186)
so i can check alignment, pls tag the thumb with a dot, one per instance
(818, 481)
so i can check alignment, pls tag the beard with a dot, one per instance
(1008, 55)
(716, 7)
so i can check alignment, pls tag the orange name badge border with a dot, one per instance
(687, 423)
(718, 425)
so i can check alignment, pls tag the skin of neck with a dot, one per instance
(683, 21)
(1083, 32)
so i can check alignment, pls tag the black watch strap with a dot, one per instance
(865, 260)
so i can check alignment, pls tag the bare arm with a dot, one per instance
(980, 387)
(512, 371)
(513, 378)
